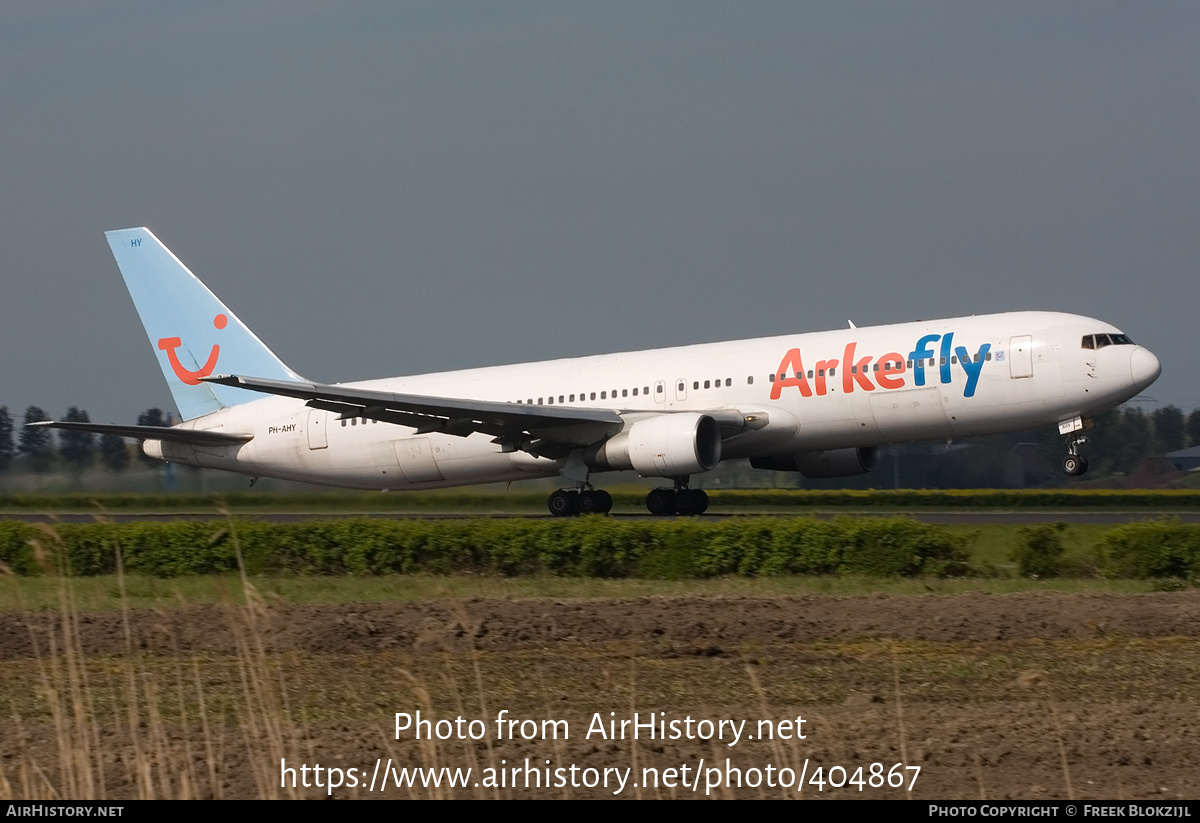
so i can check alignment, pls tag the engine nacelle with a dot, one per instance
(668, 445)
(834, 463)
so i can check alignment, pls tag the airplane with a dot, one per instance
(822, 404)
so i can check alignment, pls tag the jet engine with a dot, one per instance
(833, 463)
(668, 445)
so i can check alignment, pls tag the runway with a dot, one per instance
(1021, 517)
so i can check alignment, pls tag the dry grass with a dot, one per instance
(167, 747)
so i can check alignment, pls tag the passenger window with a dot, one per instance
(680, 386)
(645, 390)
(593, 395)
(909, 363)
(820, 372)
(624, 392)
(728, 381)
(810, 374)
(943, 361)
(832, 372)
(660, 389)
(706, 383)
(540, 401)
(954, 359)
(635, 391)
(696, 385)
(343, 422)
(771, 378)
(749, 380)
(353, 421)
(603, 395)
(572, 398)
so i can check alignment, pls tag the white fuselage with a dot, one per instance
(856, 387)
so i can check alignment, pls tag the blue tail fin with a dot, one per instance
(193, 333)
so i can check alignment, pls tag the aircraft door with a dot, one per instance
(660, 391)
(317, 435)
(1020, 356)
(680, 389)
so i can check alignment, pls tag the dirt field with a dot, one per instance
(996, 696)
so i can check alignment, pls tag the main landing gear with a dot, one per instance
(564, 503)
(679, 500)
(1075, 463)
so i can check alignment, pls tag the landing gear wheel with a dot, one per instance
(685, 502)
(691, 501)
(605, 501)
(1074, 464)
(563, 503)
(589, 502)
(661, 501)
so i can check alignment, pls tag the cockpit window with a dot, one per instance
(1099, 341)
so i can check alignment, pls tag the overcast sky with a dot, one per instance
(383, 188)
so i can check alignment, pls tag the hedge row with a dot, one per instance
(1142, 550)
(593, 547)
(727, 500)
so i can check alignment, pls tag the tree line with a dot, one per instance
(1119, 440)
(37, 449)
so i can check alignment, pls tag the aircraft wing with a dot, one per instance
(194, 437)
(514, 425)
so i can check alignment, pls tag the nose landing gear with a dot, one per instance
(1075, 463)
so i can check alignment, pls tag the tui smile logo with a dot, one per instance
(192, 378)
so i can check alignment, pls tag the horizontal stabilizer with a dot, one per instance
(175, 435)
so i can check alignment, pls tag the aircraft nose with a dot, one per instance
(1144, 366)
